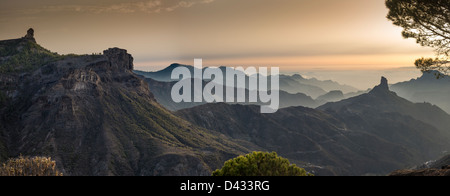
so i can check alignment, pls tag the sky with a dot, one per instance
(304, 36)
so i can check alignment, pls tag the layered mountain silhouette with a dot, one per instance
(381, 100)
(421, 127)
(291, 84)
(373, 133)
(426, 88)
(312, 86)
(331, 96)
(295, 90)
(162, 92)
(165, 74)
(94, 116)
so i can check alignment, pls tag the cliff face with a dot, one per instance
(59, 111)
(119, 59)
(93, 116)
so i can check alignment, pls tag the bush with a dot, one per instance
(260, 164)
(24, 56)
(29, 166)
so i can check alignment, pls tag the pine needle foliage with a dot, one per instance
(260, 164)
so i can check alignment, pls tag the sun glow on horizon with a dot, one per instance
(294, 35)
(306, 63)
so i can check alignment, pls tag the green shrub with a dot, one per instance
(24, 56)
(29, 166)
(260, 164)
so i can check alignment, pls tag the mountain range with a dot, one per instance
(291, 84)
(295, 90)
(426, 88)
(312, 86)
(94, 115)
(373, 133)
(162, 92)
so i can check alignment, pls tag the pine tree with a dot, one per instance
(260, 164)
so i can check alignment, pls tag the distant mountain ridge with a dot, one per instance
(426, 88)
(165, 74)
(331, 96)
(294, 90)
(162, 93)
(291, 84)
(326, 85)
(388, 101)
(374, 133)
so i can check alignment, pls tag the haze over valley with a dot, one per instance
(88, 87)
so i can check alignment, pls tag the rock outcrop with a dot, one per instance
(119, 59)
(30, 35)
(94, 116)
(439, 167)
(444, 171)
(383, 87)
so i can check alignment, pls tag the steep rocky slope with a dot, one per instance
(439, 167)
(374, 133)
(420, 127)
(445, 171)
(95, 117)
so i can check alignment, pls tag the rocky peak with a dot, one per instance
(383, 87)
(30, 35)
(119, 58)
(384, 83)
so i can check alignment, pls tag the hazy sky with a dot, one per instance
(296, 35)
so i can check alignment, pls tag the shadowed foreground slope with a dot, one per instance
(93, 116)
(374, 133)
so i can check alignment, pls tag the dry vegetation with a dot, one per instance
(29, 166)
